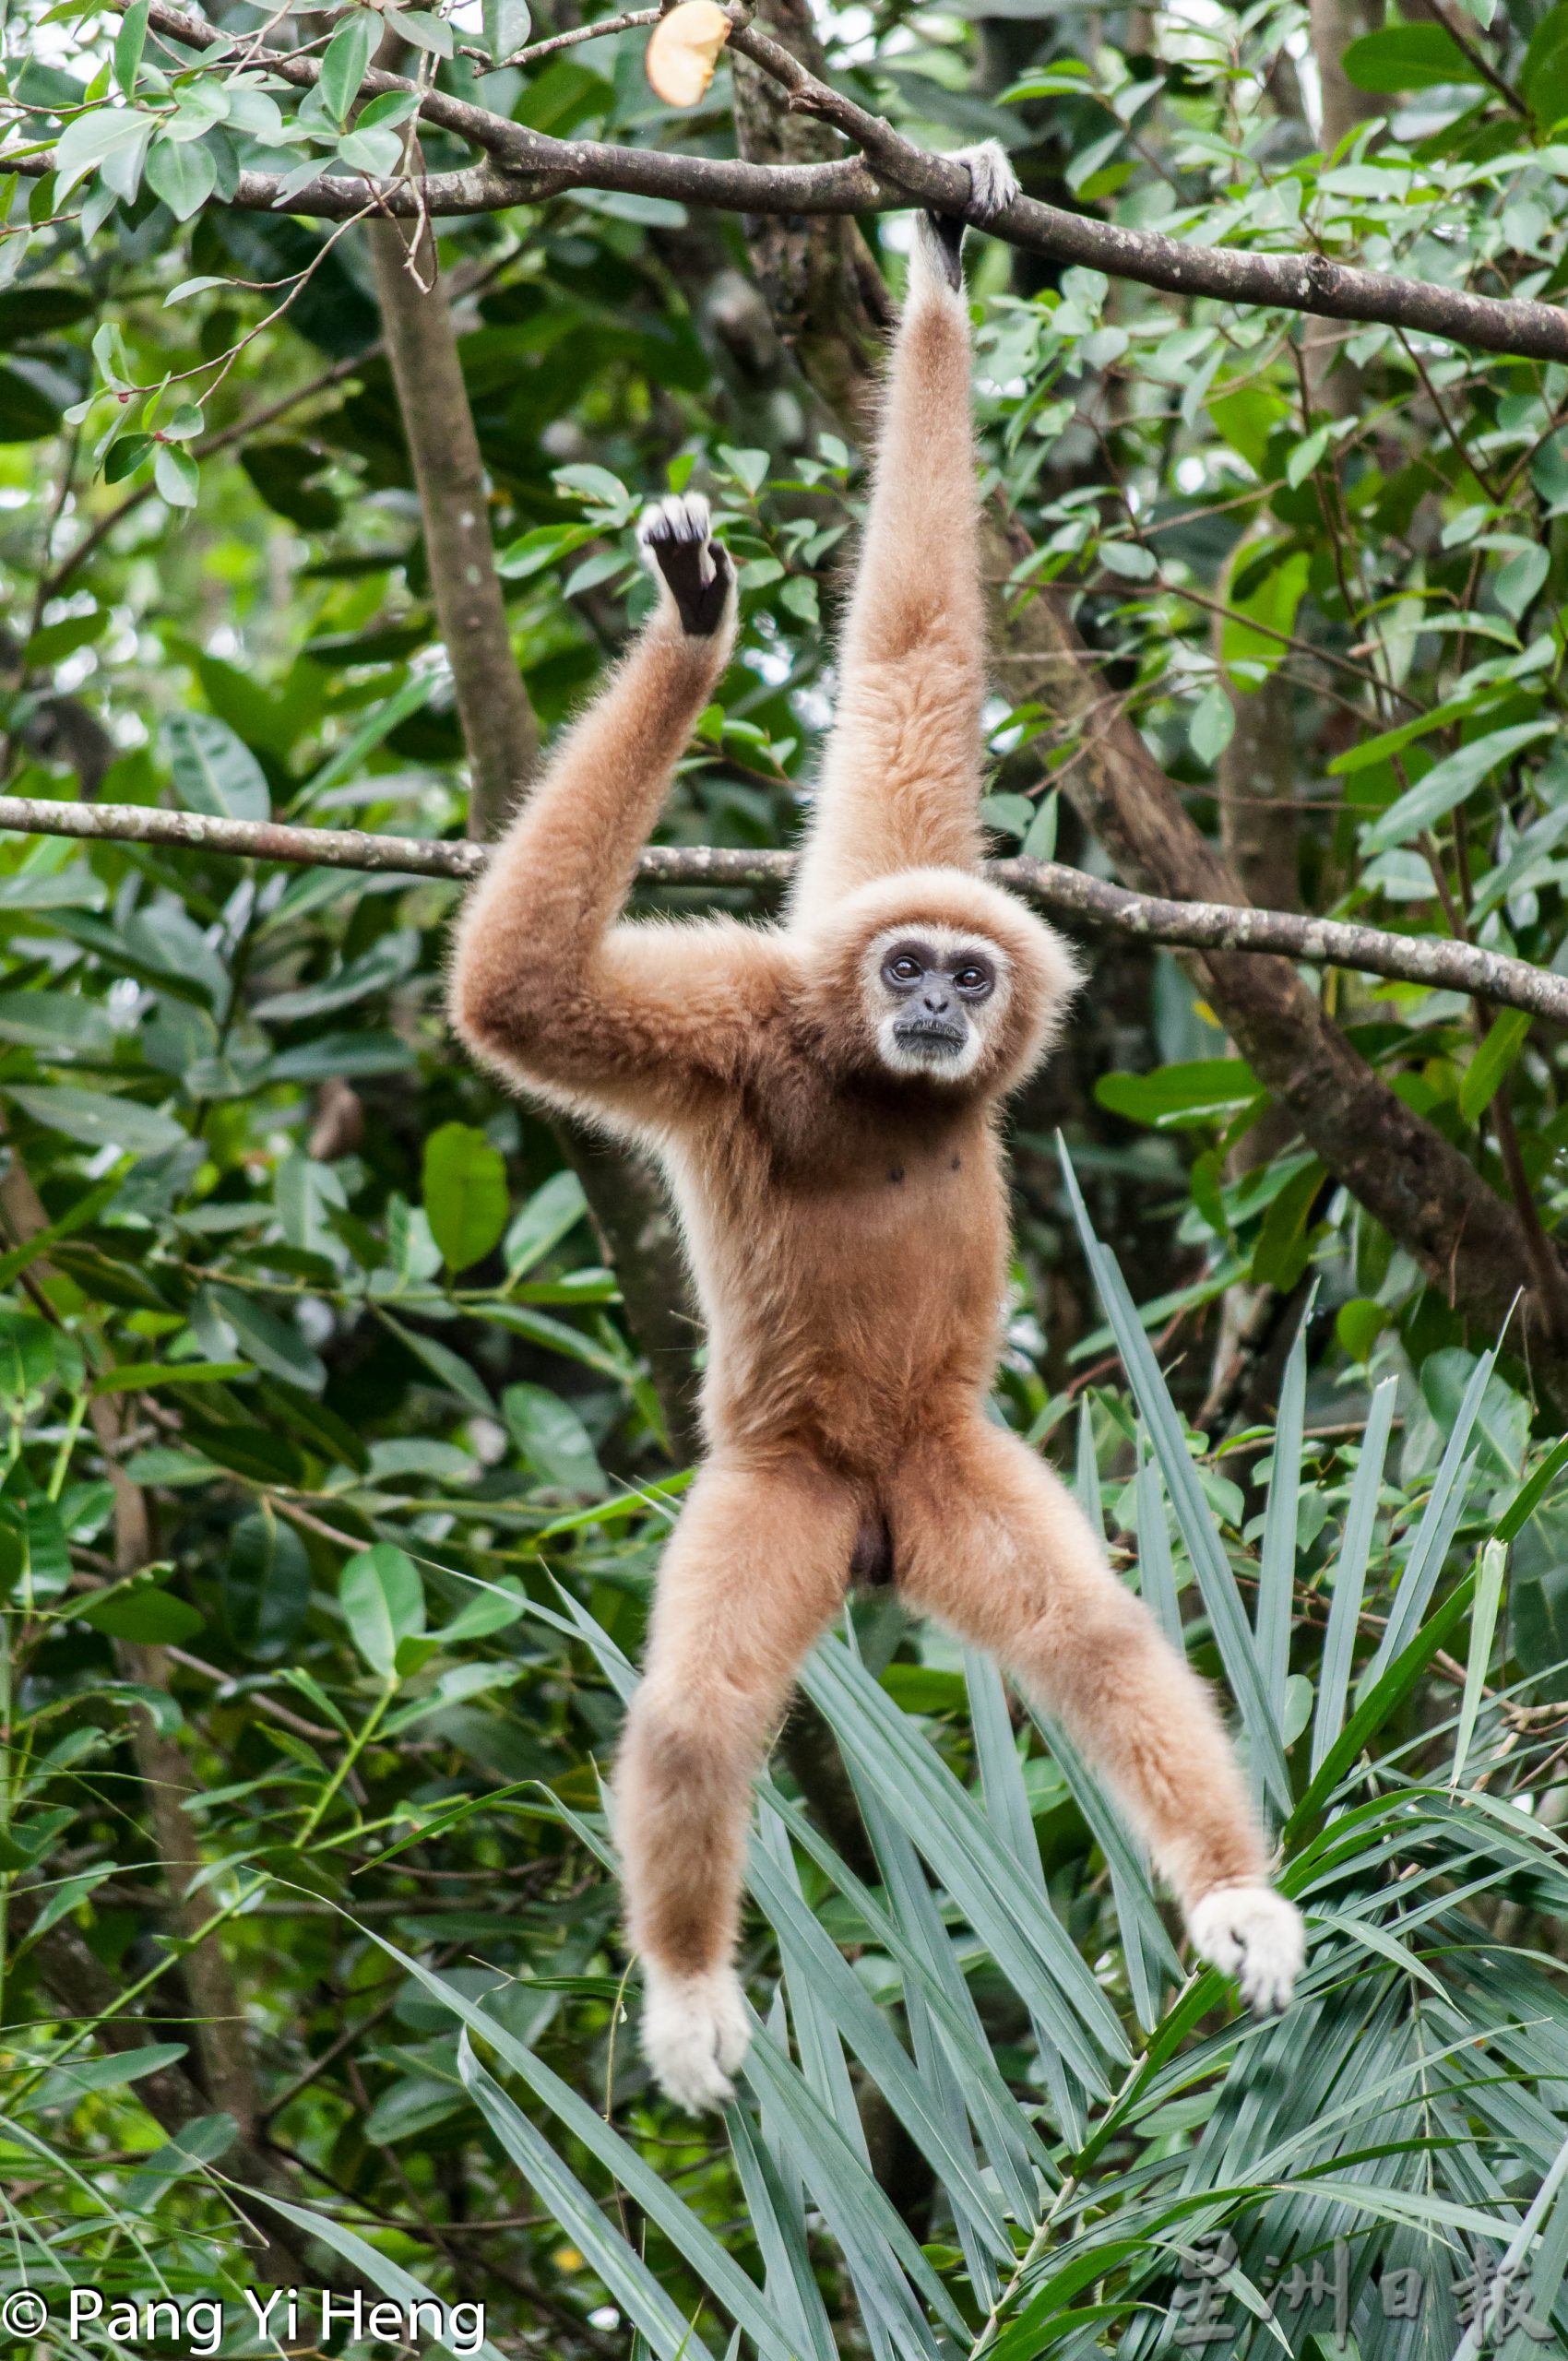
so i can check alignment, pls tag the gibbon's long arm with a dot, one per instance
(899, 787)
(546, 985)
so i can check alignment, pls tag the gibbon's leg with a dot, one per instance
(757, 1565)
(900, 780)
(987, 1539)
(544, 983)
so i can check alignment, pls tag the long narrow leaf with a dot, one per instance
(777, 2225)
(1483, 1628)
(620, 2266)
(1350, 1574)
(812, 1958)
(879, 2247)
(1276, 1568)
(1450, 1487)
(1156, 1572)
(368, 2260)
(1030, 1945)
(1221, 1597)
(686, 2233)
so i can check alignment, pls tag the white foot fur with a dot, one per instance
(1253, 1934)
(695, 2034)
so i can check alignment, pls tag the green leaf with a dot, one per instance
(382, 1603)
(266, 1584)
(1406, 57)
(1522, 1507)
(553, 1440)
(184, 172)
(1213, 724)
(1483, 1627)
(1485, 1074)
(214, 769)
(445, 1367)
(129, 42)
(176, 475)
(506, 26)
(1350, 1575)
(553, 1210)
(64, 1024)
(378, 2270)
(1283, 1243)
(1201, 1092)
(347, 57)
(144, 1612)
(1216, 1580)
(273, 1343)
(1449, 782)
(465, 1202)
(424, 30)
(98, 1120)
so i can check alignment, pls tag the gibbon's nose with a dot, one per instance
(937, 999)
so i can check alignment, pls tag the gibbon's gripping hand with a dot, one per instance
(679, 547)
(993, 185)
(1253, 1934)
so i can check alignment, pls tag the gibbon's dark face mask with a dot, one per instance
(938, 992)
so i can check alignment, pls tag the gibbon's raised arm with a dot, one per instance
(546, 985)
(900, 780)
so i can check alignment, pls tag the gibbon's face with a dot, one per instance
(935, 994)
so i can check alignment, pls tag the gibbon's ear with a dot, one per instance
(696, 572)
(992, 185)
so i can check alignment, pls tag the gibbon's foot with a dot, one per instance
(695, 2034)
(677, 540)
(993, 185)
(1253, 1934)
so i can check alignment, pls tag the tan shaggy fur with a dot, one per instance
(847, 1226)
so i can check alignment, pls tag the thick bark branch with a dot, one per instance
(498, 723)
(628, 1207)
(1437, 961)
(525, 165)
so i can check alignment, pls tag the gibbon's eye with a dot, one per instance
(974, 978)
(903, 967)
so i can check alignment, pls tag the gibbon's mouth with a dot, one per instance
(945, 1041)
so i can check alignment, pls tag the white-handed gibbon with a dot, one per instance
(822, 1095)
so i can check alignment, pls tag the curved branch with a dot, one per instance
(1437, 961)
(526, 166)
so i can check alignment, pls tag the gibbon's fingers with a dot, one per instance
(939, 237)
(695, 570)
(1256, 1935)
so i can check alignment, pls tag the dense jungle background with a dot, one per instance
(347, 1403)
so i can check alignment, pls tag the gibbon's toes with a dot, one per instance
(694, 2035)
(677, 541)
(1253, 1934)
(993, 185)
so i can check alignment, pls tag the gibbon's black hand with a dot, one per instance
(993, 185)
(677, 538)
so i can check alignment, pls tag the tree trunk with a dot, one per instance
(500, 732)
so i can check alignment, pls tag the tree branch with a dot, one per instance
(525, 166)
(1435, 961)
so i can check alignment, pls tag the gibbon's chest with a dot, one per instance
(859, 1188)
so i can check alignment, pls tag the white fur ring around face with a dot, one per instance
(695, 2034)
(1253, 1934)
